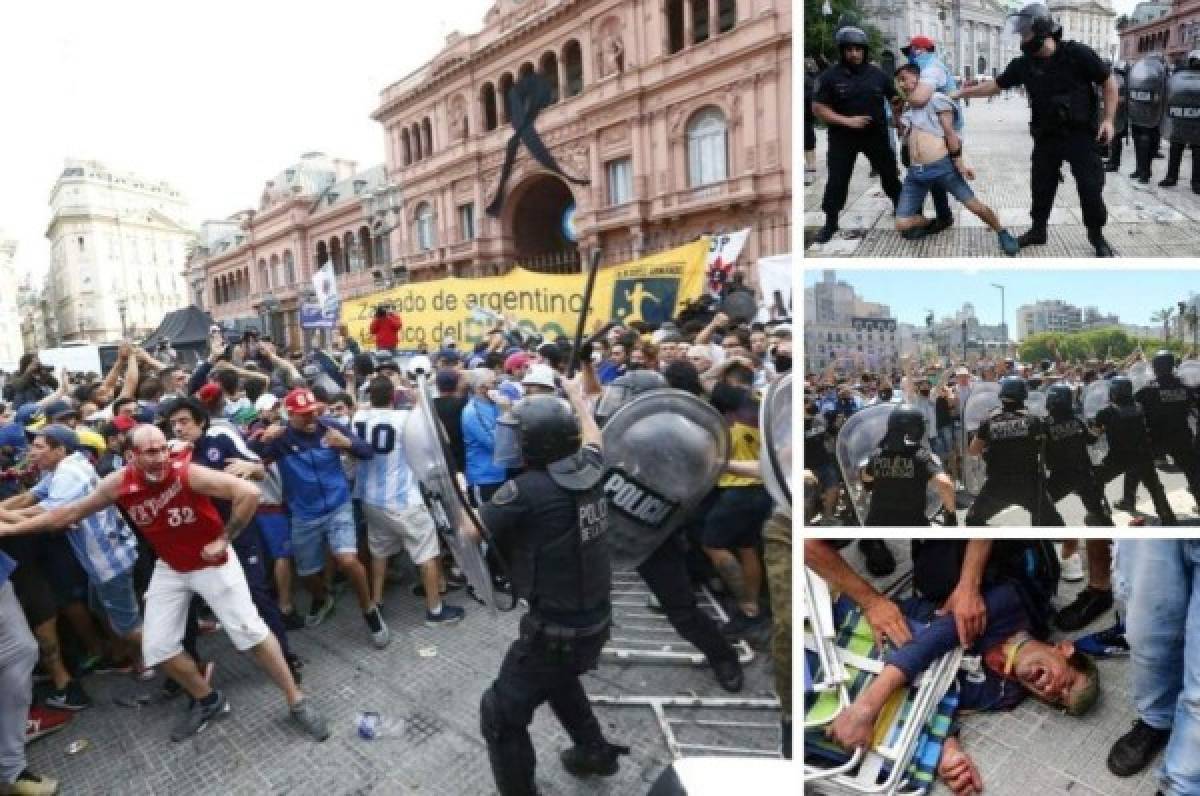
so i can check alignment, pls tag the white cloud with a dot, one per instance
(216, 97)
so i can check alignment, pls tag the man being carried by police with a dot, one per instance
(1123, 422)
(935, 151)
(550, 522)
(1060, 77)
(851, 98)
(1168, 404)
(1067, 458)
(1182, 121)
(935, 78)
(1010, 441)
(900, 470)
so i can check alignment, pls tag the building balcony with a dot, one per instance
(734, 191)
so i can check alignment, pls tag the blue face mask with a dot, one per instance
(922, 60)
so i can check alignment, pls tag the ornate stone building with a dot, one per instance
(678, 113)
(982, 49)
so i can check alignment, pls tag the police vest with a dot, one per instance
(1066, 444)
(900, 478)
(1012, 444)
(1125, 427)
(1062, 98)
(1168, 403)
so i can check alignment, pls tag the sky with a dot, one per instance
(215, 97)
(1134, 295)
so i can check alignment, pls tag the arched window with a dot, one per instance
(707, 147)
(216, 292)
(427, 132)
(425, 236)
(264, 276)
(675, 25)
(418, 151)
(322, 254)
(526, 69)
(276, 276)
(335, 254)
(406, 146)
(289, 267)
(573, 63)
(353, 258)
(487, 98)
(504, 86)
(365, 248)
(549, 70)
(383, 248)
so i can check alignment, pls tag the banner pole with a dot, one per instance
(593, 268)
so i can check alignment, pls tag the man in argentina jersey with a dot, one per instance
(391, 500)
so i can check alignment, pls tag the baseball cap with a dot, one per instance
(60, 434)
(26, 414)
(539, 374)
(57, 409)
(921, 42)
(12, 435)
(301, 401)
(209, 393)
(449, 355)
(266, 402)
(447, 380)
(518, 360)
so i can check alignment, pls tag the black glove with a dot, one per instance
(950, 519)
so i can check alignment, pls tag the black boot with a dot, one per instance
(729, 674)
(880, 561)
(786, 741)
(1134, 750)
(1035, 236)
(594, 760)
(1090, 604)
(826, 233)
(939, 224)
(1112, 165)
(1169, 181)
(1096, 237)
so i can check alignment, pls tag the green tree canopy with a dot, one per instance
(1107, 343)
(819, 29)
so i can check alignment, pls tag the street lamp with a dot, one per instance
(964, 339)
(270, 305)
(383, 212)
(122, 308)
(1003, 317)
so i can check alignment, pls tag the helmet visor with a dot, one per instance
(507, 452)
(1018, 24)
(613, 398)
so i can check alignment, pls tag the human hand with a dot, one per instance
(240, 468)
(272, 433)
(215, 551)
(857, 122)
(958, 771)
(966, 171)
(336, 439)
(1105, 134)
(853, 727)
(887, 622)
(970, 613)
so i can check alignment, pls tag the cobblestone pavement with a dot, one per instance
(1035, 749)
(1144, 220)
(256, 750)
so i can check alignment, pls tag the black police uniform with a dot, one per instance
(1070, 467)
(1014, 439)
(899, 480)
(554, 540)
(1126, 431)
(1062, 97)
(857, 91)
(1175, 156)
(1168, 403)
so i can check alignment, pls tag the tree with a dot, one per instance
(1163, 316)
(819, 29)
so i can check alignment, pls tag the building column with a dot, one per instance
(712, 19)
(687, 23)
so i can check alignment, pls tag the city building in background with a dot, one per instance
(1059, 316)
(677, 113)
(10, 318)
(1171, 34)
(1089, 22)
(982, 49)
(118, 242)
(845, 330)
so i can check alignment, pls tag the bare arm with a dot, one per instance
(984, 88)
(21, 501)
(882, 614)
(110, 380)
(747, 468)
(966, 601)
(129, 388)
(242, 496)
(64, 517)
(704, 336)
(921, 95)
(977, 446)
(945, 490)
(1111, 99)
(591, 432)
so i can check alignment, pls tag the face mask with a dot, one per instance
(783, 363)
(1032, 46)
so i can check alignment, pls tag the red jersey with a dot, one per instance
(176, 521)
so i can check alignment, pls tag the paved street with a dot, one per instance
(1037, 750)
(1144, 220)
(429, 679)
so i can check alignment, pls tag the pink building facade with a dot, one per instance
(677, 111)
(1171, 36)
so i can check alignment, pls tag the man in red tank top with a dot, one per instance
(170, 500)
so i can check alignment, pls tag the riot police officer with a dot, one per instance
(550, 522)
(1183, 121)
(1060, 77)
(1147, 90)
(898, 472)
(1067, 459)
(1168, 404)
(851, 99)
(1121, 122)
(1010, 441)
(1123, 424)
(665, 570)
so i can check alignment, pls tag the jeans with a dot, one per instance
(18, 654)
(921, 178)
(1161, 578)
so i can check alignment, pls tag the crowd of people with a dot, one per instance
(157, 503)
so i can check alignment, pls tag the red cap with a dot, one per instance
(300, 401)
(517, 360)
(922, 42)
(123, 423)
(209, 393)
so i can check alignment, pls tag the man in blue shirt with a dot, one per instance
(479, 418)
(317, 494)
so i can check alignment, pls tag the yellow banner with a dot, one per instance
(651, 289)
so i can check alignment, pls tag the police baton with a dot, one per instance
(593, 268)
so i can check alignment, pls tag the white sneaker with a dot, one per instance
(1072, 568)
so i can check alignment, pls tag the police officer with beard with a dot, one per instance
(550, 522)
(1168, 404)
(900, 469)
(1060, 77)
(1010, 441)
(1067, 458)
(1123, 423)
(1181, 125)
(850, 99)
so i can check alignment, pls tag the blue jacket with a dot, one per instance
(479, 419)
(314, 483)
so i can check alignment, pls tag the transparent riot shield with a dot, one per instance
(1095, 398)
(985, 396)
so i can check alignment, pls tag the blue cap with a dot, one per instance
(12, 435)
(449, 354)
(56, 409)
(60, 434)
(26, 414)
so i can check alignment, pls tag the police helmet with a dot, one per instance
(1120, 390)
(1013, 389)
(850, 36)
(1060, 402)
(1034, 18)
(546, 429)
(907, 421)
(625, 388)
(1163, 362)
(419, 366)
